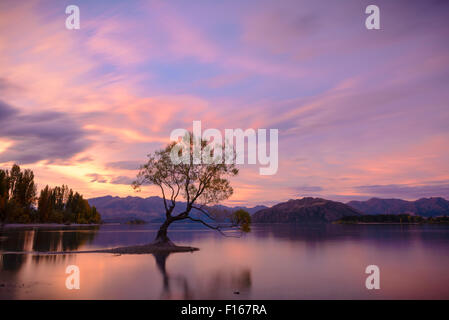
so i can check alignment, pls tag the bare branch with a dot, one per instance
(204, 212)
(218, 228)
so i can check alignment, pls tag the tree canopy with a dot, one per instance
(17, 195)
(62, 205)
(19, 202)
(200, 185)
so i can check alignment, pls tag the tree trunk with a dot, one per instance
(161, 237)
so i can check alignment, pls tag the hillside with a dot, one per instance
(425, 207)
(149, 209)
(304, 210)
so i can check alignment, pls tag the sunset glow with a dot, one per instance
(359, 113)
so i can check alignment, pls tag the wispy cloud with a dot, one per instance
(407, 191)
(358, 112)
(39, 136)
(108, 179)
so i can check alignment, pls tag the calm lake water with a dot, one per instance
(272, 262)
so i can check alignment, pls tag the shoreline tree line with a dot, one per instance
(393, 218)
(19, 202)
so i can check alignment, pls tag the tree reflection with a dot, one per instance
(13, 242)
(168, 281)
(222, 283)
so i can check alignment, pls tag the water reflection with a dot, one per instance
(219, 281)
(41, 240)
(180, 280)
(272, 262)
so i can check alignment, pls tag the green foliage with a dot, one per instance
(391, 218)
(197, 183)
(136, 221)
(58, 205)
(62, 205)
(17, 195)
(4, 194)
(200, 184)
(242, 219)
(438, 220)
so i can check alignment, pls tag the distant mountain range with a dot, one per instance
(425, 207)
(116, 209)
(305, 210)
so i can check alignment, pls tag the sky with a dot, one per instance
(360, 113)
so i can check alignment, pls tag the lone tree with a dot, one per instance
(200, 185)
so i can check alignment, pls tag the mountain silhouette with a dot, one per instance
(305, 210)
(151, 209)
(425, 207)
(308, 209)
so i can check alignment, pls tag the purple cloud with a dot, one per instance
(407, 191)
(38, 136)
